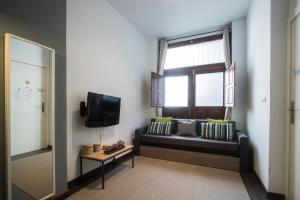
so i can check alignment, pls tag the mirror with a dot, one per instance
(29, 119)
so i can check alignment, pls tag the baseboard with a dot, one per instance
(273, 195)
(63, 195)
(256, 188)
(78, 183)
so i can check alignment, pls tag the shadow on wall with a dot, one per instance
(83, 135)
(249, 107)
(249, 83)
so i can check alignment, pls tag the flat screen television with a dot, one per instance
(102, 110)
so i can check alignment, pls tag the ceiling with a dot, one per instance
(165, 18)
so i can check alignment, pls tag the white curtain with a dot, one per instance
(226, 47)
(163, 47)
(228, 113)
(227, 55)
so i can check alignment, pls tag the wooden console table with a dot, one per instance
(100, 156)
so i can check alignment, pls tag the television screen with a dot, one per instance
(102, 110)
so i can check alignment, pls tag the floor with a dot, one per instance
(165, 180)
(38, 167)
(18, 194)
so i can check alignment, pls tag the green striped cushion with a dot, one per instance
(218, 131)
(160, 128)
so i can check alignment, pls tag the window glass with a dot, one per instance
(209, 89)
(176, 91)
(195, 54)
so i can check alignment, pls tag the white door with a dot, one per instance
(28, 90)
(295, 110)
(27, 107)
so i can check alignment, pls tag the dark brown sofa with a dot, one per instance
(237, 148)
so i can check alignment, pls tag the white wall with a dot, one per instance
(279, 18)
(105, 54)
(258, 78)
(239, 43)
(266, 72)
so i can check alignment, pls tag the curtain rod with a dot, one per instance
(199, 34)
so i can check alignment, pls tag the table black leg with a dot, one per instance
(132, 158)
(80, 179)
(114, 162)
(102, 174)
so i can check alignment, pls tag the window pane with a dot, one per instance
(209, 89)
(176, 91)
(196, 54)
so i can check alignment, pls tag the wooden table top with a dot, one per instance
(102, 157)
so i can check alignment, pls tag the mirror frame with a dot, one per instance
(51, 108)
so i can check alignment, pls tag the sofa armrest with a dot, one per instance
(243, 142)
(137, 139)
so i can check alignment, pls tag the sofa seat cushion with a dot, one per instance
(195, 142)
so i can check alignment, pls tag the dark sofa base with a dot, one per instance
(190, 157)
(193, 149)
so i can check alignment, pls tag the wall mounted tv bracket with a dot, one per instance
(82, 109)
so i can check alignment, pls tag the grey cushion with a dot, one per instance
(187, 128)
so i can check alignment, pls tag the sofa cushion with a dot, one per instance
(218, 121)
(160, 128)
(218, 131)
(187, 128)
(194, 142)
(198, 125)
(163, 119)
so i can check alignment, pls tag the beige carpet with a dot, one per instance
(33, 174)
(154, 179)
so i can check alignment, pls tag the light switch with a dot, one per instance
(296, 70)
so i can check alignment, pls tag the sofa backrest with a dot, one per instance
(198, 124)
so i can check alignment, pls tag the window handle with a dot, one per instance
(193, 76)
(292, 112)
(43, 107)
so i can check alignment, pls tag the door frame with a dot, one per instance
(49, 102)
(288, 171)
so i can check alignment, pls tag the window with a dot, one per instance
(194, 84)
(209, 89)
(196, 54)
(176, 91)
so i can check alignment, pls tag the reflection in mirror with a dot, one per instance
(32, 174)
(29, 71)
